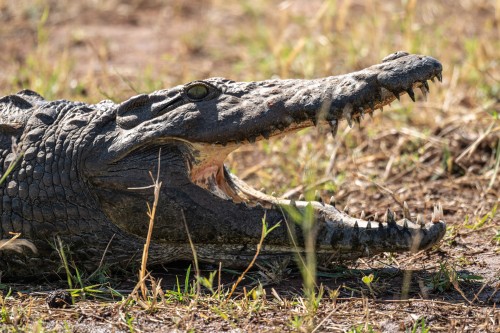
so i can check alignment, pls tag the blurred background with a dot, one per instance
(444, 149)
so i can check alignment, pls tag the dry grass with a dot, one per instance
(445, 149)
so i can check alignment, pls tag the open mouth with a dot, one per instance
(208, 170)
(350, 237)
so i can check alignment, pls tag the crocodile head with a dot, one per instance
(198, 124)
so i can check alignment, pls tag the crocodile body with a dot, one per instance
(82, 172)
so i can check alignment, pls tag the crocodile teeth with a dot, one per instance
(375, 217)
(424, 92)
(390, 218)
(361, 113)
(348, 114)
(405, 224)
(437, 215)
(334, 127)
(301, 197)
(346, 209)
(349, 120)
(293, 203)
(397, 96)
(368, 225)
(411, 94)
(426, 85)
(332, 201)
(406, 211)
(317, 197)
(420, 220)
(362, 215)
(432, 79)
(439, 77)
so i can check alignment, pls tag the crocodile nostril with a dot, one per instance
(395, 55)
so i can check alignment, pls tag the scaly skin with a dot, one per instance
(83, 169)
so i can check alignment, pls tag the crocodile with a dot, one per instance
(80, 174)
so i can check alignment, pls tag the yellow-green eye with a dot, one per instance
(197, 92)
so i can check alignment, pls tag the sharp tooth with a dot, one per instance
(368, 225)
(332, 201)
(432, 79)
(380, 226)
(420, 220)
(439, 76)
(375, 217)
(437, 215)
(362, 113)
(426, 85)
(381, 109)
(348, 114)
(356, 227)
(317, 197)
(293, 203)
(390, 218)
(397, 95)
(301, 197)
(334, 127)
(346, 209)
(434, 219)
(315, 121)
(424, 92)
(405, 224)
(411, 94)
(349, 120)
(362, 216)
(406, 211)
(266, 135)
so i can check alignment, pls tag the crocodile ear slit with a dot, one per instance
(131, 112)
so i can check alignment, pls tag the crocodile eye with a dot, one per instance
(197, 92)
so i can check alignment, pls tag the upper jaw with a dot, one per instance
(259, 110)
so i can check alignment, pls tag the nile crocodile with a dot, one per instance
(81, 171)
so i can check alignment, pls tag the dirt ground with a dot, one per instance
(442, 150)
